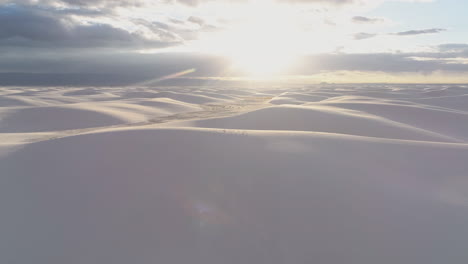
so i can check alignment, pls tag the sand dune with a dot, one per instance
(78, 109)
(323, 119)
(52, 118)
(188, 98)
(459, 102)
(303, 174)
(451, 123)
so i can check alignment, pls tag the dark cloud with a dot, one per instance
(76, 3)
(420, 32)
(366, 20)
(453, 47)
(109, 63)
(332, 2)
(100, 68)
(32, 27)
(101, 2)
(384, 62)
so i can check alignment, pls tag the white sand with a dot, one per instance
(333, 174)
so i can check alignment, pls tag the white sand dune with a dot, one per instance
(9, 101)
(79, 92)
(280, 100)
(321, 174)
(41, 119)
(305, 97)
(55, 110)
(188, 98)
(322, 119)
(450, 123)
(459, 102)
(168, 105)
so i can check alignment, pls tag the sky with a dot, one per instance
(123, 42)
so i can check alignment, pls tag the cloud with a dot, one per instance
(363, 35)
(108, 68)
(453, 47)
(420, 32)
(334, 2)
(104, 4)
(196, 20)
(382, 62)
(31, 27)
(192, 3)
(72, 38)
(366, 20)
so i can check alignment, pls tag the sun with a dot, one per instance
(264, 42)
(261, 49)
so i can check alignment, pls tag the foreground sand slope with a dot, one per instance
(208, 196)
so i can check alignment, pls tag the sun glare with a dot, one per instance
(262, 45)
